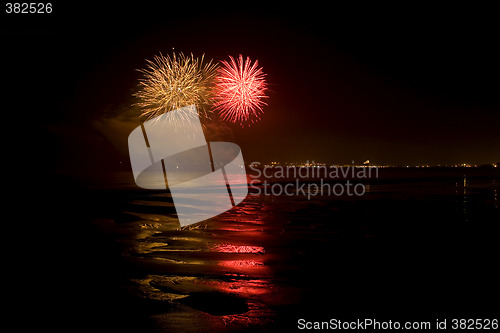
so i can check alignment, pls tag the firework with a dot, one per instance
(239, 90)
(173, 82)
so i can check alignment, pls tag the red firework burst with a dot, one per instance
(239, 90)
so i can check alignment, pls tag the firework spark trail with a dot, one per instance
(240, 88)
(170, 83)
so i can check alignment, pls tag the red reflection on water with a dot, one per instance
(246, 265)
(244, 288)
(232, 248)
(244, 268)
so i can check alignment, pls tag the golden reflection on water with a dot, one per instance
(195, 268)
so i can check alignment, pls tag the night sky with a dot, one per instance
(396, 85)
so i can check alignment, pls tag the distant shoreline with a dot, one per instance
(385, 173)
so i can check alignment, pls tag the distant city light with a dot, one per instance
(367, 164)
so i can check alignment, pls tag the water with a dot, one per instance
(410, 247)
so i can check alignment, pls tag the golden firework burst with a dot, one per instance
(172, 82)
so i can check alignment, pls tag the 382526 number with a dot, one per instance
(28, 8)
(471, 324)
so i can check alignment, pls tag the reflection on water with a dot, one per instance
(218, 267)
(495, 193)
(496, 198)
(248, 266)
(464, 200)
(231, 248)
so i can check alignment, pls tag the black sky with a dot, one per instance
(396, 85)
